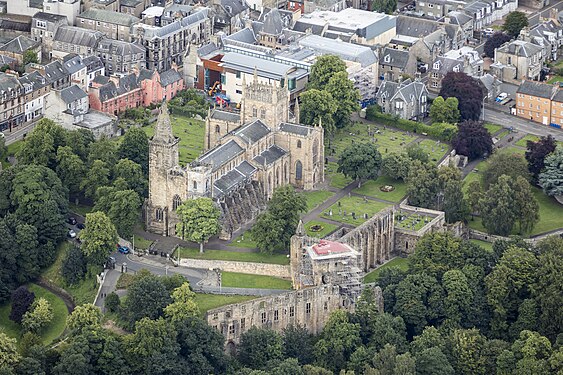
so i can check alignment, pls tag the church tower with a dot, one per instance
(267, 102)
(163, 156)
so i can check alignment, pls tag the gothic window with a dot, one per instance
(232, 329)
(291, 311)
(217, 129)
(264, 317)
(298, 144)
(308, 308)
(276, 315)
(285, 172)
(262, 113)
(254, 112)
(242, 323)
(298, 170)
(316, 151)
(195, 185)
(159, 214)
(176, 201)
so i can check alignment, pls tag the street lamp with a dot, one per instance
(166, 269)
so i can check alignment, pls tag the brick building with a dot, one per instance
(540, 102)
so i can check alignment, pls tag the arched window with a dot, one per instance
(176, 202)
(298, 144)
(195, 185)
(159, 214)
(262, 113)
(254, 112)
(217, 129)
(315, 151)
(285, 173)
(298, 170)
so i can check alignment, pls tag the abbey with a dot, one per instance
(247, 156)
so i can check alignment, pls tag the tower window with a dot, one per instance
(254, 112)
(217, 129)
(264, 317)
(291, 311)
(195, 185)
(308, 308)
(159, 214)
(263, 113)
(298, 144)
(176, 202)
(276, 315)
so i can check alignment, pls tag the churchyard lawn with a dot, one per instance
(233, 256)
(337, 179)
(244, 240)
(244, 280)
(371, 188)
(207, 302)
(353, 204)
(373, 276)
(326, 229)
(435, 149)
(315, 198)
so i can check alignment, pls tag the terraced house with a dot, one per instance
(540, 102)
(114, 25)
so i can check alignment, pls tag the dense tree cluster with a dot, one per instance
(514, 22)
(199, 220)
(472, 140)
(330, 97)
(537, 152)
(445, 110)
(360, 161)
(468, 92)
(495, 41)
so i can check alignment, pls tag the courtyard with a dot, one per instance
(353, 210)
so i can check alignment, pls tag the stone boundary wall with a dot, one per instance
(478, 235)
(266, 269)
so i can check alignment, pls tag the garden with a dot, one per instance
(319, 229)
(353, 210)
(376, 189)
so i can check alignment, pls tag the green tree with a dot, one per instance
(3, 148)
(384, 360)
(105, 150)
(22, 299)
(121, 206)
(431, 337)
(80, 141)
(415, 152)
(339, 339)
(405, 364)
(514, 22)
(422, 184)
(472, 140)
(298, 343)
(459, 295)
(70, 168)
(503, 163)
(433, 362)
(260, 346)
(360, 161)
(40, 146)
(395, 165)
(135, 147)
(526, 206)
(346, 95)
(384, 6)
(73, 267)
(445, 110)
(323, 69)
(527, 318)
(85, 316)
(318, 107)
(97, 176)
(474, 196)
(199, 220)
(508, 285)
(532, 352)
(98, 239)
(184, 305)
(39, 316)
(274, 228)
(9, 355)
(455, 205)
(497, 207)
(30, 57)
(551, 178)
(112, 302)
(536, 153)
(467, 349)
(132, 173)
(146, 297)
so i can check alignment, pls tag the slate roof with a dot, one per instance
(72, 93)
(415, 27)
(558, 97)
(55, 71)
(270, 155)
(394, 57)
(49, 17)
(273, 23)
(119, 47)
(6, 60)
(253, 132)
(169, 77)
(543, 90)
(8, 83)
(35, 79)
(295, 128)
(520, 48)
(92, 63)
(100, 79)
(407, 90)
(225, 115)
(233, 178)
(221, 155)
(109, 16)
(207, 49)
(73, 63)
(151, 32)
(130, 3)
(446, 65)
(19, 45)
(233, 7)
(78, 36)
(245, 35)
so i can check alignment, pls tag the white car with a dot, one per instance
(501, 97)
(72, 233)
(488, 31)
(2, 135)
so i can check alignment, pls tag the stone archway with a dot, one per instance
(231, 349)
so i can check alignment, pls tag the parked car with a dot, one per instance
(71, 234)
(501, 97)
(2, 135)
(71, 221)
(488, 31)
(81, 226)
(123, 249)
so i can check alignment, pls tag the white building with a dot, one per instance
(68, 8)
(36, 88)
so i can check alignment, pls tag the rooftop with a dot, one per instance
(347, 51)
(109, 16)
(264, 68)
(19, 45)
(542, 90)
(348, 18)
(50, 17)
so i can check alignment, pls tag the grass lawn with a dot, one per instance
(523, 142)
(551, 213)
(191, 133)
(244, 240)
(371, 189)
(326, 228)
(503, 134)
(141, 243)
(315, 198)
(83, 292)
(52, 331)
(484, 244)
(474, 175)
(207, 302)
(435, 149)
(337, 180)
(80, 209)
(412, 221)
(244, 280)
(492, 128)
(234, 256)
(515, 150)
(12, 149)
(401, 263)
(555, 79)
(354, 204)
(387, 140)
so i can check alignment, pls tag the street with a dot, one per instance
(534, 19)
(522, 125)
(18, 133)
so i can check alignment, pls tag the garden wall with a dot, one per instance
(276, 270)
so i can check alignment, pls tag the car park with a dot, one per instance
(501, 97)
(81, 226)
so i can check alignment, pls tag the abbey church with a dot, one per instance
(247, 156)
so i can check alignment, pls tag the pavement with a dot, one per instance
(521, 125)
(18, 133)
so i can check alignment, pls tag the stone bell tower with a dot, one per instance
(267, 102)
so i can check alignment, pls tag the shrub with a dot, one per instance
(22, 299)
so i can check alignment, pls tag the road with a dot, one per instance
(521, 124)
(18, 133)
(534, 19)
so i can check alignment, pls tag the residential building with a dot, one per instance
(132, 7)
(94, 67)
(17, 47)
(557, 109)
(166, 45)
(534, 101)
(517, 60)
(110, 5)
(466, 60)
(114, 25)
(117, 95)
(157, 86)
(547, 35)
(121, 57)
(71, 39)
(8, 61)
(491, 85)
(396, 64)
(77, 69)
(68, 8)
(406, 99)
(35, 90)
(12, 113)
(55, 73)
(351, 25)
(43, 29)
(228, 14)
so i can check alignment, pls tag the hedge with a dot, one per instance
(441, 131)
